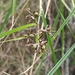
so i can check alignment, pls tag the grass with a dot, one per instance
(53, 70)
(39, 42)
(55, 35)
(6, 19)
(16, 29)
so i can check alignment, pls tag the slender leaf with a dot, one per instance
(17, 29)
(54, 69)
(49, 41)
(66, 23)
(13, 6)
(68, 8)
(6, 19)
(42, 59)
(15, 39)
(63, 24)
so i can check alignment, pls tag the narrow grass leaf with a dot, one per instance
(42, 59)
(15, 39)
(62, 32)
(54, 69)
(56, 21)
(49, 41)
(66, 5)
(6, 19)
(63, 24)
(66, 23)
(57, 18)
(16, 29)
(13, 6)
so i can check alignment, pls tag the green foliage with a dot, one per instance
(53, 70)
(50, 39)
(3, 34)
(13, 6)
(6, 19)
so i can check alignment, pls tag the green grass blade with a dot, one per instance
(15, 39)
(43, 19)
(66, 5)
(63, 24)
(57, 17)
(73, 3)
(52, 50)
(71, 32)
(42, 59)
(64, 20)
(13, 6)
(16, 29)
(56, 21)
(6, 19)
(66, 23)
(62, 32)
(49, 41)
(54, 69)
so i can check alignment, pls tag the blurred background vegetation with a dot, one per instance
(17, 56)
